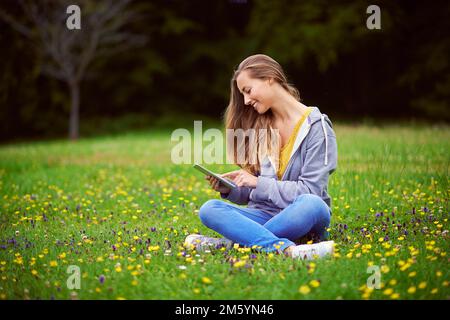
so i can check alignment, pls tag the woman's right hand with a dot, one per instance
(217, 186)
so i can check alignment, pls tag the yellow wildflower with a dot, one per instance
(412, 289)
(395, 296)
(314, 283)
(206, 280)
(239, 264)
(304, 289)
(388, 291)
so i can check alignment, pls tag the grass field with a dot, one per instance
(117, 208)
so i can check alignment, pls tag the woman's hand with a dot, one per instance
(216, 185)
(242, 178)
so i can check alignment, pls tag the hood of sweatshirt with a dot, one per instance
(313, 117)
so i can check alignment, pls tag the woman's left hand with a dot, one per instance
(242, 178)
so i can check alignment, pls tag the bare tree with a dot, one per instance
(66, 54)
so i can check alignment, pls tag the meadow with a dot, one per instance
(118, 209)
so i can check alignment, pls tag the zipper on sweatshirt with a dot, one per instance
(289, 165)
(322, 120)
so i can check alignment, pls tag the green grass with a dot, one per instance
(65, 203)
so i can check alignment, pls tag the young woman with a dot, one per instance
(286, 188)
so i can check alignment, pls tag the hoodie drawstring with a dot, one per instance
(322, 119)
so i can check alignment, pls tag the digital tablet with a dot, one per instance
(226, 182)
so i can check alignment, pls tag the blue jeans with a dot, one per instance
(252, 227)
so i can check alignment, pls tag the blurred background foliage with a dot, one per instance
(182, 72)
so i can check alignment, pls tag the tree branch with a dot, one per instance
(16, 25)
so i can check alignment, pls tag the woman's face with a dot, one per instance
(257, 92)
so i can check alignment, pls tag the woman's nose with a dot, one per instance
(247, 100)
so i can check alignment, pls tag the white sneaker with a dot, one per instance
(312, 251)
(200, 243)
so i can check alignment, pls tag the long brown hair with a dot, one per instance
(239, 116)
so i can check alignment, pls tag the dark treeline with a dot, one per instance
(191, 48)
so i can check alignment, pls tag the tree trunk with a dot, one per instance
(74, 110)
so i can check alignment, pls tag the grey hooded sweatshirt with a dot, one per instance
(312, 160)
